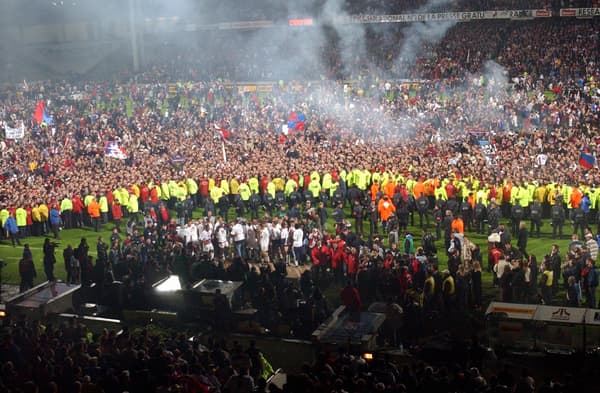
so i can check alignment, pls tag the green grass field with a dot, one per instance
(11, 255)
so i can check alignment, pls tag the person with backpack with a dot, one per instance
(409, 245)
(557, 215)
(535, 215)
(428, 243)
(590, 280)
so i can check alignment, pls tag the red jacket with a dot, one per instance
(29, 219)
(117, 212)
(203, 187)
(144, 193)
(164, 214)
(264, 181)
(351, 264)
(153, 195)
(77, 205)
(339, 257)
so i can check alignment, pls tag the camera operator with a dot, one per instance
(49, 259)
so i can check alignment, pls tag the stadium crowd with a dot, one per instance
(390, 152)
(38, 357)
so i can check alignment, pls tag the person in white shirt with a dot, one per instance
(239, 238)
(265, 239)
(298, 245)
(206, 241)
(187, 233)
(222, 243)
(283, 240)
(193, 235)
(276, 242)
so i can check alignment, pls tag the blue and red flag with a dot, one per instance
(587, 160)
(40, 115)
(296, 121)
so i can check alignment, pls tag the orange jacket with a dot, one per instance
(390, 187)
(576, 197)
(418, 189)
(458, 225)
(471, 199)
(385, 208)
(94, 209)
(374, 191)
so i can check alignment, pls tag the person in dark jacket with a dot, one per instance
(27, 273)
(572, 293)
(522, 236)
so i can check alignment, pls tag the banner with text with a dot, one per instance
(443, 16)
(580, 12)
(14, 133)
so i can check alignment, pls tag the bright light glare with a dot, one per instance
(171, 284)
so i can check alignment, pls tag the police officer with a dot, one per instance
(557, 215)
(466, 212)
(516, 214)
(579, 221)
(480, 215)
(357, 213)
(254, 203)
(535, 214)
(423, 209)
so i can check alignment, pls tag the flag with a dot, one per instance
(46, 118)
(224, 154)
(38, 115)
(225, 134)
(114, 150)
(587, 160)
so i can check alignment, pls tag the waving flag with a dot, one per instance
(587, 160)
(46, 118)
(114, 150)
(40, 115)
(295, 121)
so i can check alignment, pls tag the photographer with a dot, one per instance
(49, 259)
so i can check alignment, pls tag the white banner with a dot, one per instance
(14, 133)
(443, 16)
